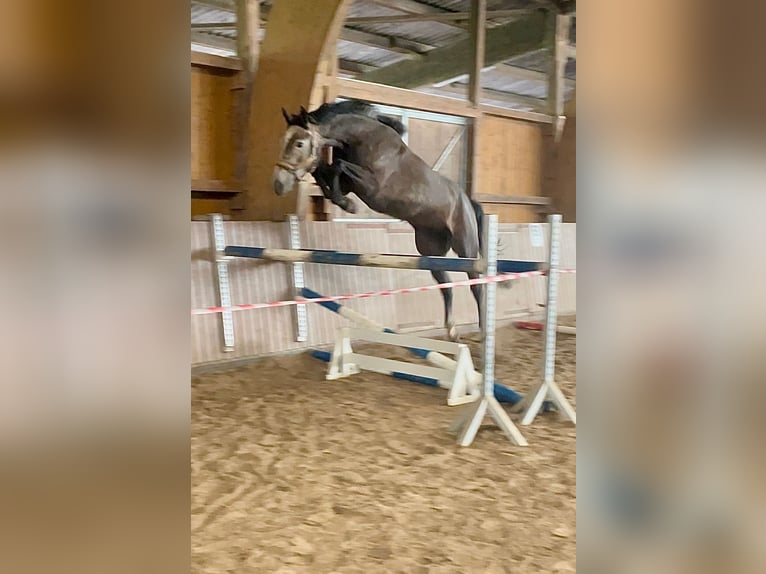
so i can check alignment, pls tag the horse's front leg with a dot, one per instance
(338, 197)
(328, 181)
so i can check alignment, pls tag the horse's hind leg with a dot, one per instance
(465, 242)
(449, 323)
(436, 243)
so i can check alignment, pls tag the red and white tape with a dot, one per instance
(467, 282)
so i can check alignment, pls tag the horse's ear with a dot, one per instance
(305, 116)
(286, 116)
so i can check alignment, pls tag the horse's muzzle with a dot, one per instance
(283, 181)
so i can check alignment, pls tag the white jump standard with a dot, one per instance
(469, 421)
(548, 389)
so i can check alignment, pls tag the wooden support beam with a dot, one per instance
(534, 117)
(477, 39)
(399, 45)
(408, 6)
(213, 61)
(415, 7)
(501, 43)
(433, 17)
(478, 36)
(558, 38)
(215, 186)
(213, 26)
(248, 24)
(519, 73)
(537, 104)
(248, 47)
(354, 67)
(292, 53)
(398, 97)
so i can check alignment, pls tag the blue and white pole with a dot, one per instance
(502, 393)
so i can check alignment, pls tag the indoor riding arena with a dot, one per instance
(383, 263)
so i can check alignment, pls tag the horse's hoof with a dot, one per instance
(452, 333)
(349, 207)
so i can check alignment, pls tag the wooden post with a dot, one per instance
(478, 36)
(248, 24)
(291, 54)
(558, 42)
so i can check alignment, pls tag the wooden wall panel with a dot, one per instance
(510, 164)
(212, 140)
(212, 133)
(560, 171)
(429, 138)
(207, 206)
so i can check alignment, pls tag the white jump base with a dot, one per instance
(458, 375)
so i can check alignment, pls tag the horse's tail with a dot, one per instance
(479, 211)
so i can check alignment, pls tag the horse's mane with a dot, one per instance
(328, 111)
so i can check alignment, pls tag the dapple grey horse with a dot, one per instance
(371, 160)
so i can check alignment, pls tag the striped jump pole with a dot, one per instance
(326, 356)
(502, 393)
(456, 264)
(536, 326)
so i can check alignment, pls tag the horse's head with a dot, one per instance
(301, 145)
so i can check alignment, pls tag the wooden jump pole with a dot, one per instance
(536, 326)
(456, 264)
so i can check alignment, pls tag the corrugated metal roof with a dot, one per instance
(361, 56)
(538, 61)
(200, 13)
(465, 5)
(434, 33)
(367, 55)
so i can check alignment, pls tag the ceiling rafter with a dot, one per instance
(537, 104)
(441, 17)
(502, 43)
(213, 41)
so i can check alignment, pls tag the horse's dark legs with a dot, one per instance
(443, 277)
(338, 197)
(356, 179)
(328, 179)
(477, 293)
(465, 242)
(437, 243)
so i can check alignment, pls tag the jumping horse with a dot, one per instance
(370, 160)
